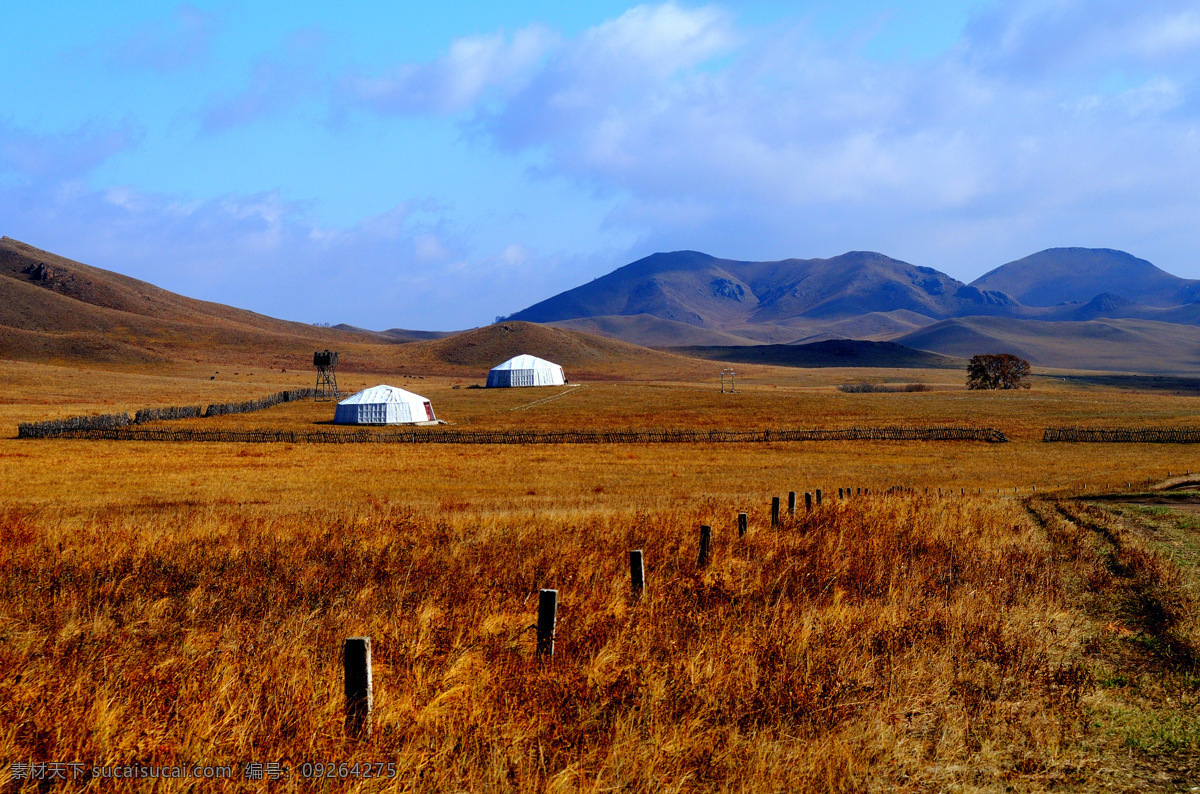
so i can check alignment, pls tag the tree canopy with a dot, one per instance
(997, 371)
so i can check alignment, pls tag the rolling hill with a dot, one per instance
(651, 331)
(1077, 275)
(582, 355)
(56, 310)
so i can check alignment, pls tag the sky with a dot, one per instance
(434, 166)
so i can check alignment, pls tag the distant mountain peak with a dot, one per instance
(1075, 275)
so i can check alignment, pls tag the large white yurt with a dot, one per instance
(526, 370)
(383, 405)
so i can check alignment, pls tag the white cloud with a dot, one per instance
(473, 69)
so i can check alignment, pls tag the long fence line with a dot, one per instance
(57, 428)
(1142, 435)
(441, 436)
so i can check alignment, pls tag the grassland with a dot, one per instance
(165, 604)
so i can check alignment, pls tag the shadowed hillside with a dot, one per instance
(829, 353)
(1120, 345)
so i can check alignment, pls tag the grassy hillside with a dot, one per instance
(651, 331)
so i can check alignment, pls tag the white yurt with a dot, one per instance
(383, 405)
(526, 370)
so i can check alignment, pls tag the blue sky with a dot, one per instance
(434, 165)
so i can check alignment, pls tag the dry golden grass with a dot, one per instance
(164, 604)
(894, 641)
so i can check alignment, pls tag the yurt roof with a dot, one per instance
(381, 394)
(526, 361)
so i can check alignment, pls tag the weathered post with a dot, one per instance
(637, 573)
(818, 496)
(840, 494)
(705, 542)
(807, 502)
(791, 503)
(742, 520)
(547, 617)
(356, 669)
(774, 512)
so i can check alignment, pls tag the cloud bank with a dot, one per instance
(1050, 122)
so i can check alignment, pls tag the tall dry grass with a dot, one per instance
(895, 641)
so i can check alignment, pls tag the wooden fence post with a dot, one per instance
(791, 503)
(840, 494)
(774, 512)
(742, 520)
(807, 502)
(360, 696)
(705, 542)
(637, 572)
(818, 496)
(547, 617)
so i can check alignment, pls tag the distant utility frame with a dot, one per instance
(326, 362)
(728, 373)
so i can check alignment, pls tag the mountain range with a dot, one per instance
(1064, 307)
(752, 298)
(1069, 308)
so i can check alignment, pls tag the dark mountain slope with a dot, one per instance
(828, 353)
(1118, 345)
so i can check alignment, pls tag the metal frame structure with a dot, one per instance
(728, 372)
(326, 362)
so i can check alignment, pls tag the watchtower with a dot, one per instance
(326, 362)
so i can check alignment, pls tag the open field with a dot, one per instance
(185, 603)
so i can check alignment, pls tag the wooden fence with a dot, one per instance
(450, 436)
(1135, 435)
(60, 428)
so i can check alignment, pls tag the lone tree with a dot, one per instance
(997, 371)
